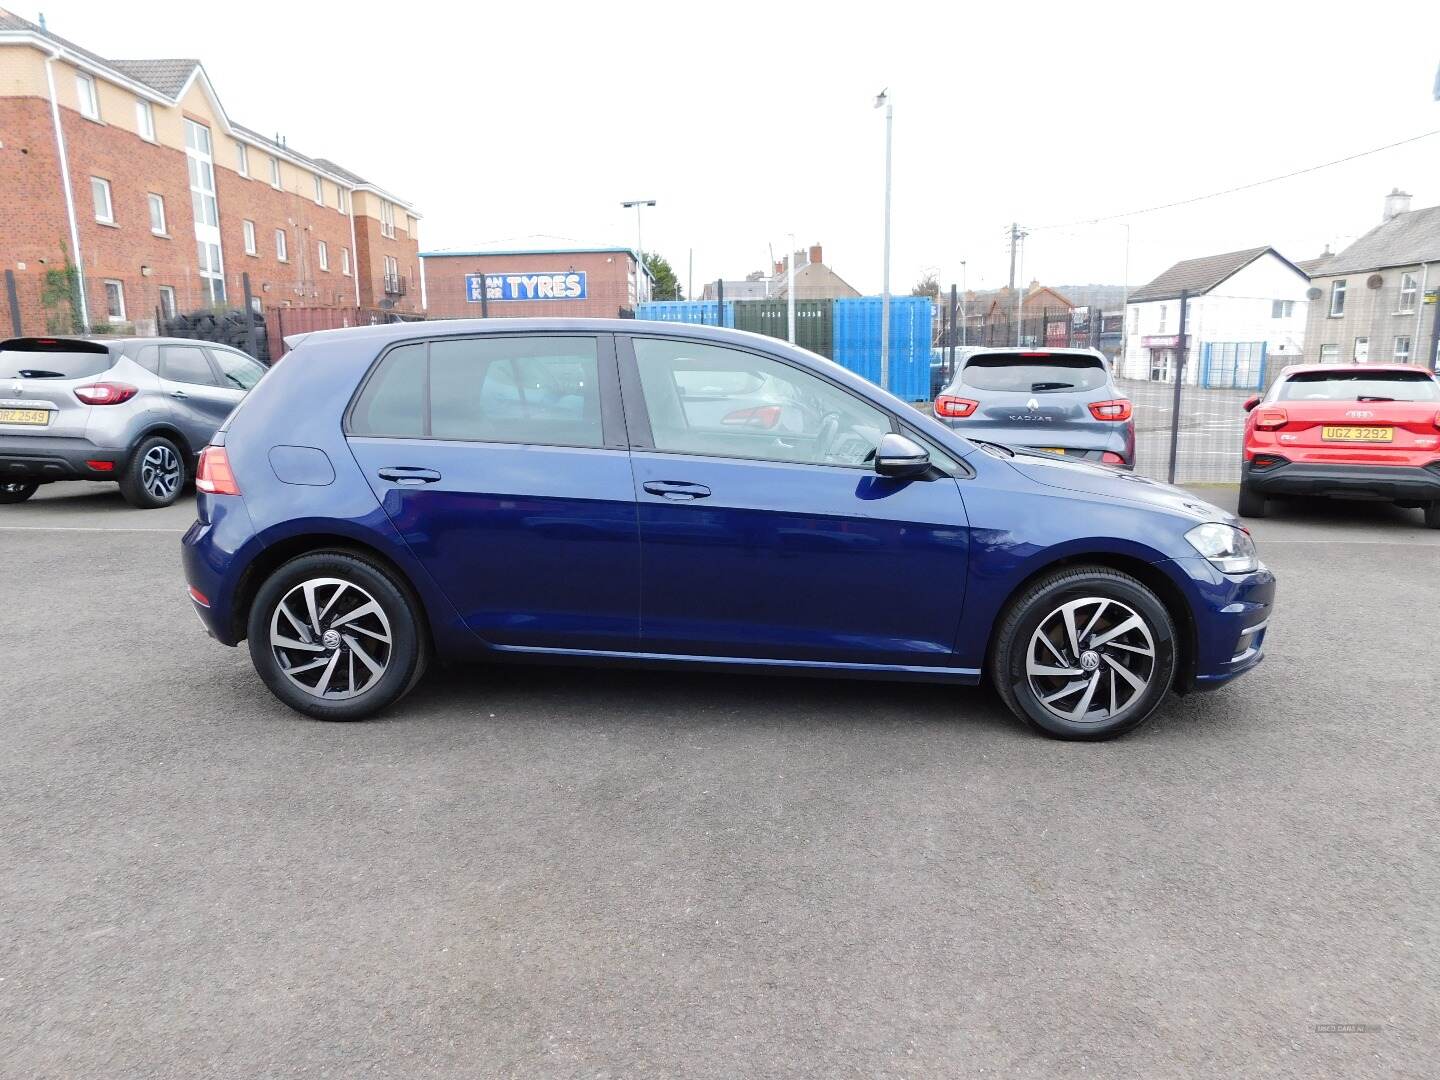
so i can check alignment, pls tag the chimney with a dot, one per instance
(780, 268)
(815, 258)
(1396, 203)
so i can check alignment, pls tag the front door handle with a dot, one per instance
(677, 490)
(409, 475)
(178, 393)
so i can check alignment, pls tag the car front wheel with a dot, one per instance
(15, 491)
(334, 636)
(1085, 653)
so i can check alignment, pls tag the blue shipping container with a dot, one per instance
(857, 342)
(702, 312)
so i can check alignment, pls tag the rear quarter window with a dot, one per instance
(1022, 373)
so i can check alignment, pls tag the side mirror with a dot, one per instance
(1252, 401)
(899, 457)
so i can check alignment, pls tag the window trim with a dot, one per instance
(152, 200)
(637, 416)
(109, 219)
(89, 101)
(282, 246)
(145, 127)
(1395, 354)
(612, 415)
(345, 261)
(120, 292)
(1413, 290)
(276, 180)
(1338, 288)
(247, 237)
(174, 307)
(319, 190)
(322, 255)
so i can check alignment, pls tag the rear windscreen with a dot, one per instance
(1417, 385)
(1029, 373)
(52, 365)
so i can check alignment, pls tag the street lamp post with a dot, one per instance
(639, 243)
(790, 288)
(883, 98)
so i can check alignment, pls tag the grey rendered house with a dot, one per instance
(1376, 301)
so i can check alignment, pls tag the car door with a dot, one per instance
(501, 459)
(764, 530)
(199, 403)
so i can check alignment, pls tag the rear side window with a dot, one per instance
(186, 364)
(1414, 385)
(1034, 373)
(52, 365)
(537, 390)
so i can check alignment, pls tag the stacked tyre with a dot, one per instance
(224, 328)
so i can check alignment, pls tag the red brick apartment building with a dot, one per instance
(581, 282)
(128, 179)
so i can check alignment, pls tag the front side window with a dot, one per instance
(186, 364)
(115, 301)
(157, 215)
(723, 402)
(145, 120)
(237, 371)
(104, 209)
(1409, 288)
(85, 93)
(529, 390)
(1337, 299)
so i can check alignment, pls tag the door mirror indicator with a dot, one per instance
(900, 457)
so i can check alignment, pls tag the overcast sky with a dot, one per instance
(531, 122)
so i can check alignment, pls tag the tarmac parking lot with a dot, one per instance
(541, 872)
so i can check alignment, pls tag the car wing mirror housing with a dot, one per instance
(901, 458)
(1251, 402)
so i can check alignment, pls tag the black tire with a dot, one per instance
(1044, 602)
(16, 491)
(1432, 515)
(404, 658)
(1252, 503)
(155, 475)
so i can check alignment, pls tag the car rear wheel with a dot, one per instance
(1252, 503)
(334, 636)
(1086, 653)
(16, 491)
(155, 475)
(1432, 515)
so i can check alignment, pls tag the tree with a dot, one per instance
(929, 285)
(667, 285)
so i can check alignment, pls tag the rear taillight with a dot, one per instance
(1119, 409)
(106, 393)
(1109, 457)
(954, 408)
(1268, 419)
(761, 416)
(213, 475)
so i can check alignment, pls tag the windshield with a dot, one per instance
(17, 364)
(1034, 373)
(1417, 385)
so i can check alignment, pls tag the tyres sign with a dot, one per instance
(529, 285)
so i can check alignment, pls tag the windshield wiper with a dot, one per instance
(992, 445)
(1038, 387)
(1373, 397)
(39, 373)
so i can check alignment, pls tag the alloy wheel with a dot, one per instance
(1090, 659)
(330, 638)
(160, 471)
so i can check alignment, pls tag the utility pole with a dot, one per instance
(1016, 235)
(883, 98)
(641, 293)
(790, 289)
(1179, 382)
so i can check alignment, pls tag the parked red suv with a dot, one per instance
(1353, 431)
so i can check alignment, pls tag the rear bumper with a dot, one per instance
(1406, 483)
(45, 458)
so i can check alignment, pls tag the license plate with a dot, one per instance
(1357, 434)
(1053, 449)
(25, 416)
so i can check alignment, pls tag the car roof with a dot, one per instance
(1296, 369)
(1036, 351)
(112, 343)
(469, 327)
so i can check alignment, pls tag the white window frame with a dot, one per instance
(1329, 354)
(242, 159)
(98, 185)
(282, 246)
(119, 295)
(1282, 309)
(247, 236)
(319, 190)
(1337, 298)
(323, 252)
(1356, 349)
(145, 119)
(1409, 285)
(387, 220)
(168, 309)
(1403, 356)
(345, 261)
(88, 95)
(275, 178)
(340, 198)
(157, 202)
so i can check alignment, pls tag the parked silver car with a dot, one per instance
(1060, 400)
(133, 410)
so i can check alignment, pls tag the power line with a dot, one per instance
(1242, 187)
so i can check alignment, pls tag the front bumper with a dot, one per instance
(1397, 483)
(45, 458)
(1231, 618)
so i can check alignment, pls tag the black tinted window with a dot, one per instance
(52, 365)
(1414, 385)
(1034, 373)
(187, 364)
(537, 390)
(238, 372)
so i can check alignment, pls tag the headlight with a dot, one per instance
(1230, 550)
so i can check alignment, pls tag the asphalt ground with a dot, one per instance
(540, 872)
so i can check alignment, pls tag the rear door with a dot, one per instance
(199, 402)
(38, 377)
(502, 460)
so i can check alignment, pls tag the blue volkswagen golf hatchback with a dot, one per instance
(658, 494)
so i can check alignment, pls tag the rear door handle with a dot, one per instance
(677, 490)
(178, 393)
(409, 475)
